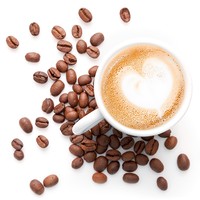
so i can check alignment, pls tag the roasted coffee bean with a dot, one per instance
(76, 139)
(58, 118)
(113, 167)
(68, 109)
(104, 127)
(26, 124)
(53, 73)
(151, 147)
(156, 165)
(129, 166)
(89, 89)
(32, 57)
(183, 162)
(101, 149)
(97, 39)
(93, 103)
(58, 32)
(139, 146)
(47, 105)
(85, 15)
(34, 28)
(81, 46)
(84, 79)
(41, 122)
(12, 42)
(70, 59)
(113, 155)
(141, 159)
(162, 183)
(57, 87)
(165, 134)
(77, 163)
(170, 142)
(50, 180)
(77, 88)
(114, 142)
(89, 110)
(73, 99)
(62, 66)
(59, 108)
(117, 133)
(92, 71)
(63, 98)
(64, 46)
(99, 177)
(95, 130)
(90, 156)
(17, 144)
(88, 135)
(93, 52)
(103, 140)
(76, 31)
(71, 116)
(76, 150)
(42, 141)
(100, 163)
(40, 77)
(127, 142)
(88, 145)
(147, 138)
(71, 76)
(36, 186)
(66, 128)
(128, 156)
(130, 178)
(81, 114)
(125, 14)
(83, 100)
(19, 154)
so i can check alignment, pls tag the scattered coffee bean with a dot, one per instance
(95, 130)
(34, 28)
(41, 122)
(77, 163)
(76, 31)
(63, 98)
(71, 116)
(88, 145)
(58, 118)
(101, 149)
(57, 87)
(81, 114)
(77, 88)
(66, 128)
(58, 32)
(89, 89)
(141, 159)
(36, 186)
(99, 177)
(12, 42)
(93, 52)
(84, 79)
(42, 141)
(17, 144)
(32, 57)
(114, 142)
(128, 156)
(162, 183)
(40, 77)
(73, 99)
(53, 73)
(62, 66)
(70, 59)
(47, 105)
(88, 134)
(147, 138)
(59, 108)
(127, 142)
(113, 155)
(130, 178)
(125, 14)
(76, 139)
(71, 76)
(113, 167)
(50, 180)
(92, 71)
(183, 162)
(68, 109)
(64, 46)
(97, 39)
(129, 166)
(156, 165)
(151, 147)
(103, 140)
(83, 100)
(104, 127)
(85, 15)
(170, 142)
(81, 46)
(100, 163)
(90, 156)
(26, 124)
(76, 150)
(19, 154)
(165, 134)
(139, 146)
(117, 133)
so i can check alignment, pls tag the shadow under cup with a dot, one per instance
(100, 80)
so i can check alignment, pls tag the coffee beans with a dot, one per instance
(76, 150)
(50, 180)
(77, 88)
(113, 167)
(63, 98)
(53, 73)
(81, 46)
(93, 52)
(76, 31)
(170, 142)
(99, 177)
(32, 57)
(97, 39)
(151, 147)
(48, 105)
(72, 99)
(40, 77)
(77, 163)
(36, 186)
(114, 142)
(113, 155)
(162, 183)
(58, 32)
(12, 42)
(57, 87)
(90, 156)
(83, 100)
(125, 14)
(34, 29)
(17, 144)
(26, 124)
(42, 141)
(183, 162)
(141, 159)
(41, 122)
(84, 79)
(18, 154)
(128, 156)
(165, 134)
(156, 165)
(89, 89)
(130, 178)
(92, 71)
(62, 66)
(100, 163)
(139, 147)
(71, 76)
(64, 46)
(127, 142)
(66, 128)
(85, 15)
(70, 59)
(129, 166)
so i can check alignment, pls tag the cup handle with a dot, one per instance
(87, 122)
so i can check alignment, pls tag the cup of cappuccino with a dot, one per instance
(141, 88)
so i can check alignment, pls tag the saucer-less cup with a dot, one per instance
(101, 113)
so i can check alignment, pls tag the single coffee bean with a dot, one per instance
(71, 116)
(95, 130)
(77, 163)
(66, 128)
(88, 135)
(76, 150)
(129, 166)
(41, 122)
(17, 144)
(12, 42)
(127, 142)
(57, 87)
(81, 114)
(113, 167)
(99, 177)
(58, 118)
(128, 156)
(93, 52)
(103, 140)
(77, 88)
(84, 79)
(183, 162)
(93, 103)
(73, 99)
(81, 46)
(156, 165)
(50, 180)
(113, 155)
(97, 39)
(165, 134)
(71, 76)
(89, 89)
(26, 125)
(62, 66)
(125, 14)
(59, 108)
(162, 183)
(47, 105)
(76, 139)
(19, 154)
(130, 178)
(53, 73)
(88, 145)
(92, 71)
(68, 109)
(117, 133)
(170, 142)
(36, 186)
(34, 28)
(63, 98)
(58, 32)
(85, 15)
(42, 141)
(76, 31)
(32, 57)
(100, 163)
(70, 59)
(64, 46)
(151, 147)
(90, 156)
(40, 77)
(83, 100)
(101, 149)
(104, 127)
(147, 138)
(139, 146)
(141, 159)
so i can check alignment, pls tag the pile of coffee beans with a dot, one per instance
(103, 146)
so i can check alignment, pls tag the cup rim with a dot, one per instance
(147, 132)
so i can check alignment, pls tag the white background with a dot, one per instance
(175, 22)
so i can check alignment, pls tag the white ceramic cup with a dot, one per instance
(101, 113)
